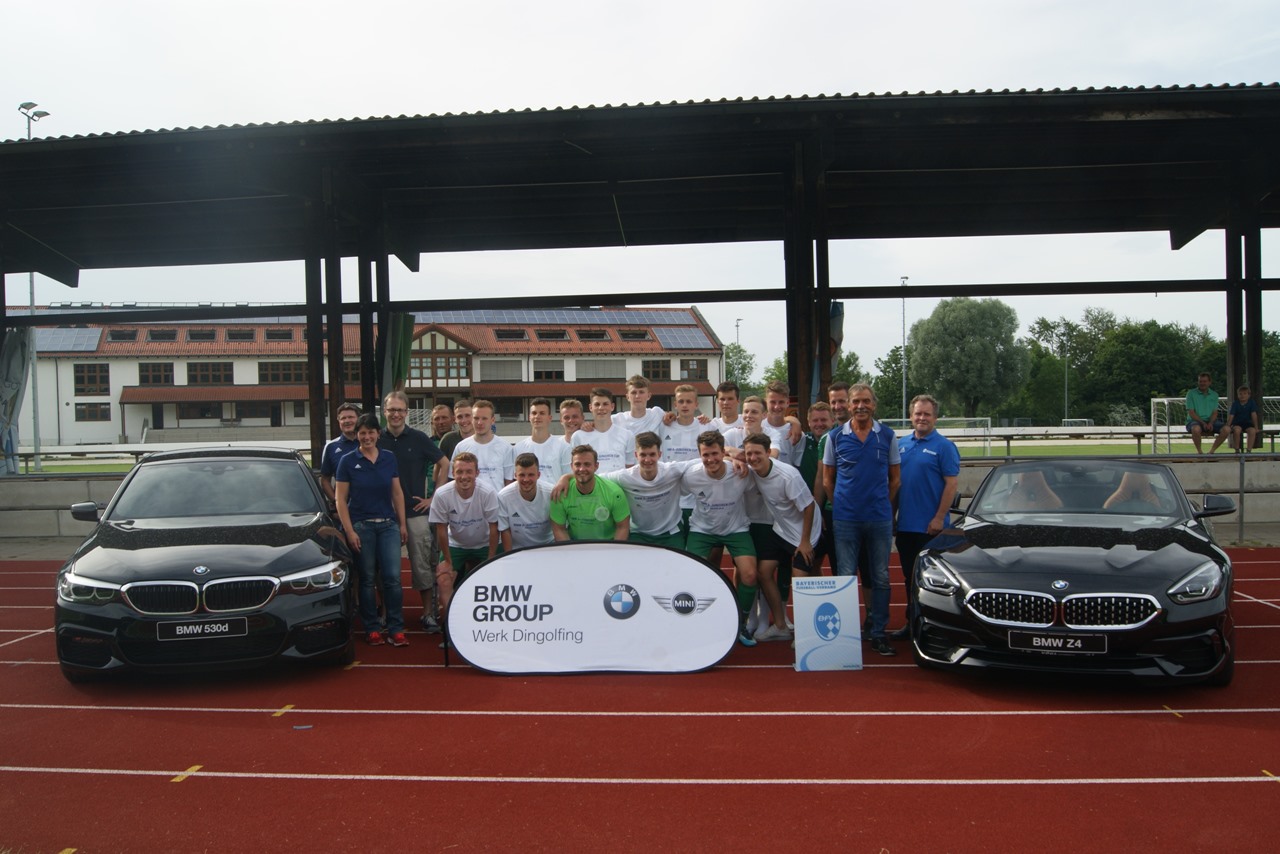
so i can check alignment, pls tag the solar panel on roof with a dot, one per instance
(612, 317)
(681, 338)
(68, 340)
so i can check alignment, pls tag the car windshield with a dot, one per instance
(216, 487)
(1078, 487)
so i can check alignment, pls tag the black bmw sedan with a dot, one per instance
(1088, 566)
(206, 558)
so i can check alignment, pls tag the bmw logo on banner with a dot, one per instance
(594, 607)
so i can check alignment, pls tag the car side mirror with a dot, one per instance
(1215, 505)
(85, 511)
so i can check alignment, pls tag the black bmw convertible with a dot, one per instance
(206, 558)
(1086, 566)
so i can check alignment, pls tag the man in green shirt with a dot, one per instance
(593, 508)
(1202, 411)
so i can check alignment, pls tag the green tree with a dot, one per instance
(739, 365)
(1040, 397)
(966, 354)
(887, 384)
(848, 369)
(777, 371)
(1139, 361)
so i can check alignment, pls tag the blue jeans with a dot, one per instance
(878, 536)
(380, 567)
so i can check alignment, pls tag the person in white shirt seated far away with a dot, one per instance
(524, 507)
(570, 420)
(496, 456)
(613, 445)
(553, 455)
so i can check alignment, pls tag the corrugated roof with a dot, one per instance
(707, 102)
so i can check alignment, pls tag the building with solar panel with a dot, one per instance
(248, 380)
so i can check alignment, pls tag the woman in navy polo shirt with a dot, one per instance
(371, 506)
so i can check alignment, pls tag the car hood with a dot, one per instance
(1114, 557)
(145, 550)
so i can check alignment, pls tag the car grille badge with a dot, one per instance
(1060, 584)
(201, 570)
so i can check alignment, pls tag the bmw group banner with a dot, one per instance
(828, 629)
(583, 607)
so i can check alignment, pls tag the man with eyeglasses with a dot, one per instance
(415, 454)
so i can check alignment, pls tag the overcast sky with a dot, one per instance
(102, 67)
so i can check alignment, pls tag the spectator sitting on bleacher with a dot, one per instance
(1202, 411)
(1243, 417)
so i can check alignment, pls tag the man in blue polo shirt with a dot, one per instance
(338, 447)
(930, 475)
(860, 468)
(416, 454)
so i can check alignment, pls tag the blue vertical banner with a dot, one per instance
(828, 627)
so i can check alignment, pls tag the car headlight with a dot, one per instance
(325, 577)
(934, 576)
(1202, 584)
(86, 591)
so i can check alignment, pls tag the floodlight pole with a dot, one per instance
(904, 352)
(737, 331)
(1066, 349)
(29, 111)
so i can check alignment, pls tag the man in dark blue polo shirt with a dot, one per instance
(415, 454)
(930, 476)
(338, 447)
(860, 468)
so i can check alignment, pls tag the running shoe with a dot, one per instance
(772, 633)
(746, 639)
(430, 624)
(882, 646)
(374, 639)
(398, 639)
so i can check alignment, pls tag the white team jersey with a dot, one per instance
(468, 518)
(780, 438)
(651, 421)
(680, 444)
(785, 495)
(718, 507)
(554, 457)
(615, 448)
(496, 457)
(528, 521)
(733, 437)
(655, 504)
(720, 425)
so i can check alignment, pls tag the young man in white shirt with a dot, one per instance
(784, 431)
(795, 529)
(553, 455)
(570, 420)
(680, 440)
(524, 507)
(720, 518)
(465, 514)
(727, 396)
(496, 456)
(613, 445)
(641, 418)
(653, 491)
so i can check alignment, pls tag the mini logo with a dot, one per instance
(621, 601)
(826, 621)
(1060, 585)
(683, 604)
(201, 570)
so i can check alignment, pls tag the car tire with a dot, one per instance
(346, 656)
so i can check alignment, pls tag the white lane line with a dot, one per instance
(583, 713)
(28, 636)
(190, 774)
(1268, 602)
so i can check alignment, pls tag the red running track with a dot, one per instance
(399, 753)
